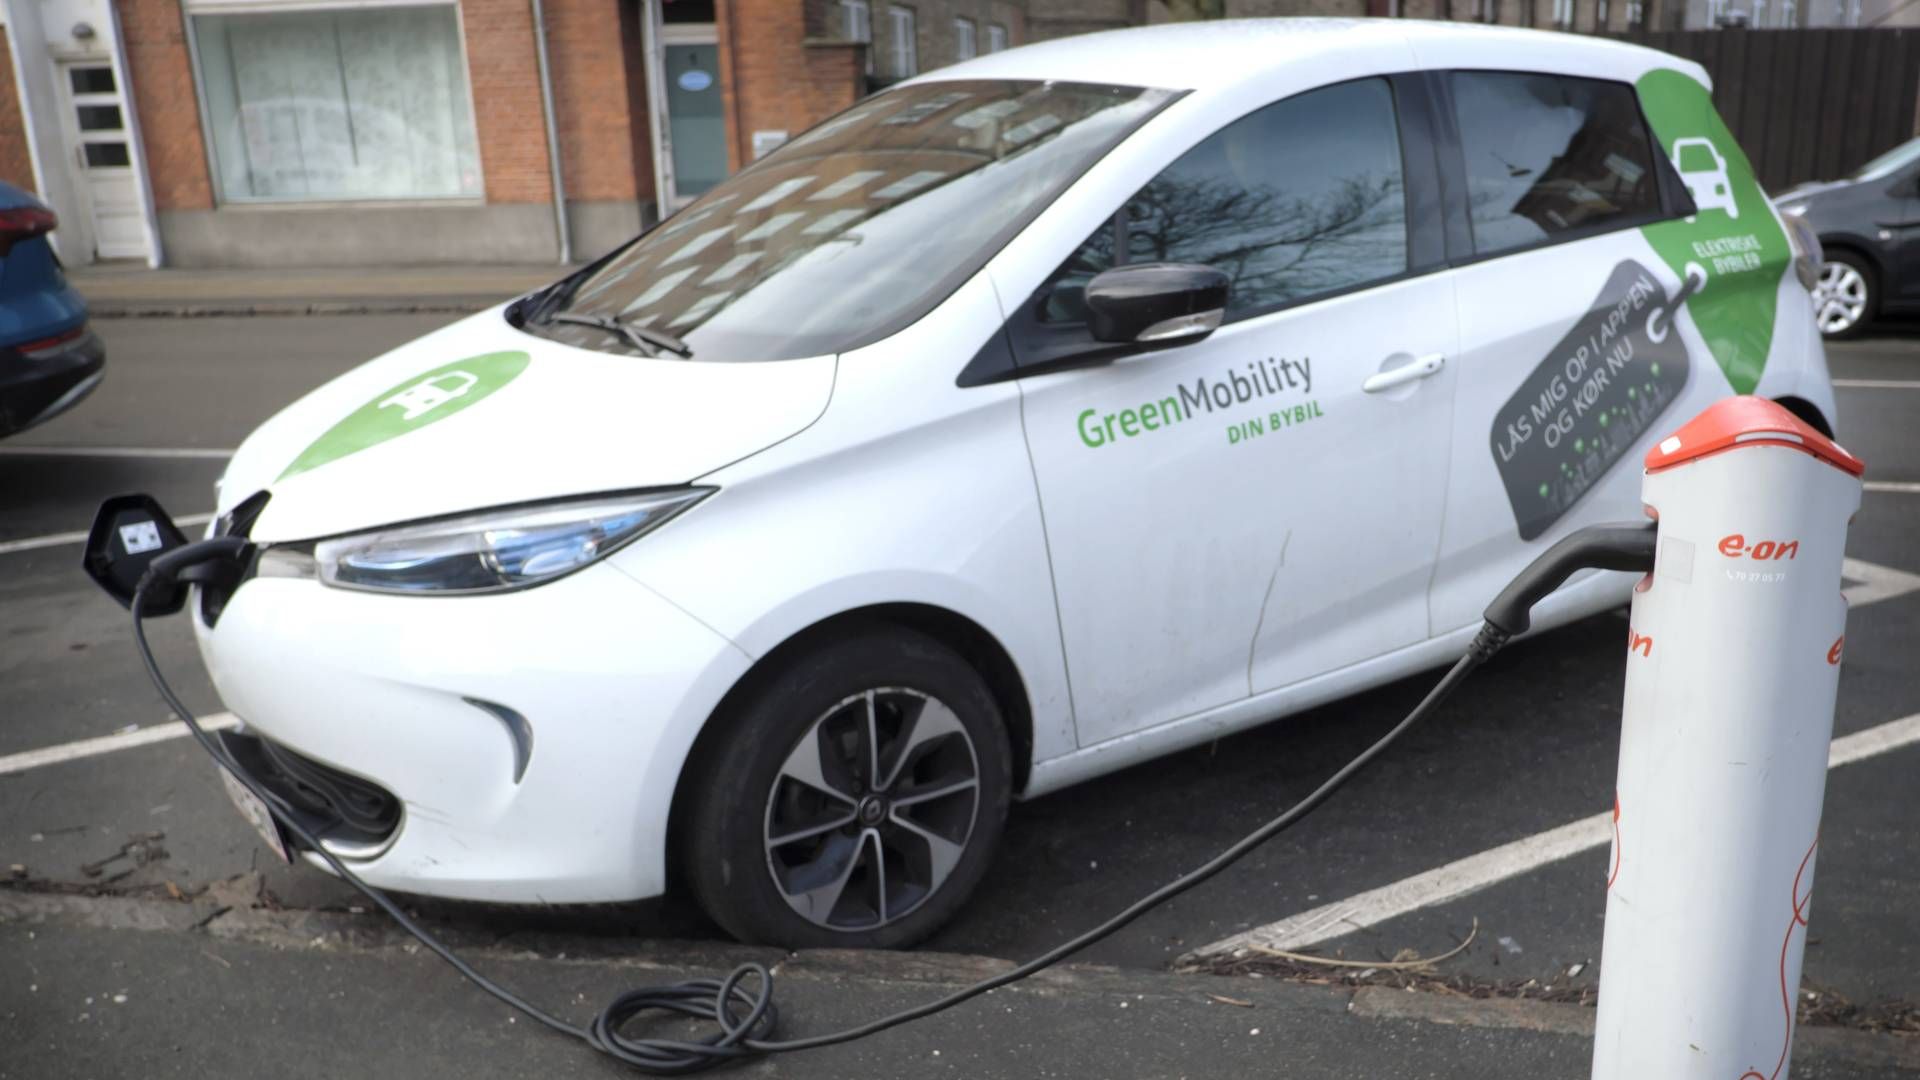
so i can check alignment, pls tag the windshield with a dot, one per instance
(1889, 162)
(858, 227)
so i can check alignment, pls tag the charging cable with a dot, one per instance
(741, 1004)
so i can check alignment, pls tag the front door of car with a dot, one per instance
(1242, 512)
(1903, 224)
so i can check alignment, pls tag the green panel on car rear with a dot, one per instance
(1734, 238)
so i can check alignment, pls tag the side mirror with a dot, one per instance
(129, 532)
(1156, 303)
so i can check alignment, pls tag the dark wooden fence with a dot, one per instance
(1806, 104)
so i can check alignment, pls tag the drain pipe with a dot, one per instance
(553, 136)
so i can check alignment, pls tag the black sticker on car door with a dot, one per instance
(1594, 395)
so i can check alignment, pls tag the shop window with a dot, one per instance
(1549, 156)
(350, 104)
(900, 34)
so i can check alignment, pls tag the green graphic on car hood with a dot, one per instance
(1734, 240)
(424, 399)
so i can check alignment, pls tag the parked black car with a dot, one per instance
(1869, 225)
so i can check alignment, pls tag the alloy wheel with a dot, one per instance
(1840, 298)
(872, 809)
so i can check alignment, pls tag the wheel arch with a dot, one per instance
(1859, 249)
(975, 644)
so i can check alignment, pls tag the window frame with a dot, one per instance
(903, 49)
(192, 9)
(966, 33)
(1668, 187)
(1030, 346)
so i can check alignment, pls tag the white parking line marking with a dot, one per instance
(215, 454)
(34, 543)
(107, 744)
(1898, 487)
(1874, 583)
(1876, 384)
(1475, 872)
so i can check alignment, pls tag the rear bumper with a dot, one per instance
(37, 386)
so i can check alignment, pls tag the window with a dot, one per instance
(996, 37)
(1547, 156)
(846, 233)
(905, 54)
(964, 47)
(352, 104)
(1563, 13)
(1301, 198)
(856, 20)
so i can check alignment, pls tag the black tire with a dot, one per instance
(744, 797)
(1869, 283)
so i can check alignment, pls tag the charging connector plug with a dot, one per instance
(1628, 547)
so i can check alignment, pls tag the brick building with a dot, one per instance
(358, 132)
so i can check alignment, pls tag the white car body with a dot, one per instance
(1149, 594)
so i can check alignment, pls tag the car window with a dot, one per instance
(1304, 197)
(1549, 155)
(859, 226)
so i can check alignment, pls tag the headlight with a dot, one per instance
(496, 550)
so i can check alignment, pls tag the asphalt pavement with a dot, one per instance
(113, 843)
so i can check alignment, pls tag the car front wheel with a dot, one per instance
(1843, 298)
(854, 800)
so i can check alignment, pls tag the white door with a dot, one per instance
(96, 129)
(1572, 362)
(1237, 514)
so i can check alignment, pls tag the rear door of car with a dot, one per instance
(1579, 255)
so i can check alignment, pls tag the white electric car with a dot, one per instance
(1031, 419)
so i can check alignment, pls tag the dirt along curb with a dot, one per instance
(227, 912)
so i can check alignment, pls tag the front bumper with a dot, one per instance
(418, 697)
(38, 386)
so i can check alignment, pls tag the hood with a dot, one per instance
(1800, 192)
(479, 414)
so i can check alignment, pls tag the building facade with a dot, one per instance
(256, 133)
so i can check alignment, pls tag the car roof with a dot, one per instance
(1216, 54)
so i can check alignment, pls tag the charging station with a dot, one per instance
(1733, 662)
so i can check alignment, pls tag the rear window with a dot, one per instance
(857, 228)
(1549, 157)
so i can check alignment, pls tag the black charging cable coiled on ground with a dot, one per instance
(741, 1005)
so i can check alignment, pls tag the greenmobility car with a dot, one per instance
(1031, 419)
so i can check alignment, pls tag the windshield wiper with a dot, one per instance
(651, 342)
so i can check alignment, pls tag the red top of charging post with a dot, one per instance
(1734, 422)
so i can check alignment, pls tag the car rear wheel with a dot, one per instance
(854, 800)
(1843, 299)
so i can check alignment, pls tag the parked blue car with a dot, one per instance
(49, 358)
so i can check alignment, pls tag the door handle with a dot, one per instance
(1422, 368)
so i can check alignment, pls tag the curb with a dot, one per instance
(245, 309)
(327, 931)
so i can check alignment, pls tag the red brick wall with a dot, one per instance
(16, 166)
(154, 33)
(772, 78)
(591, 102)
(506, 99)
